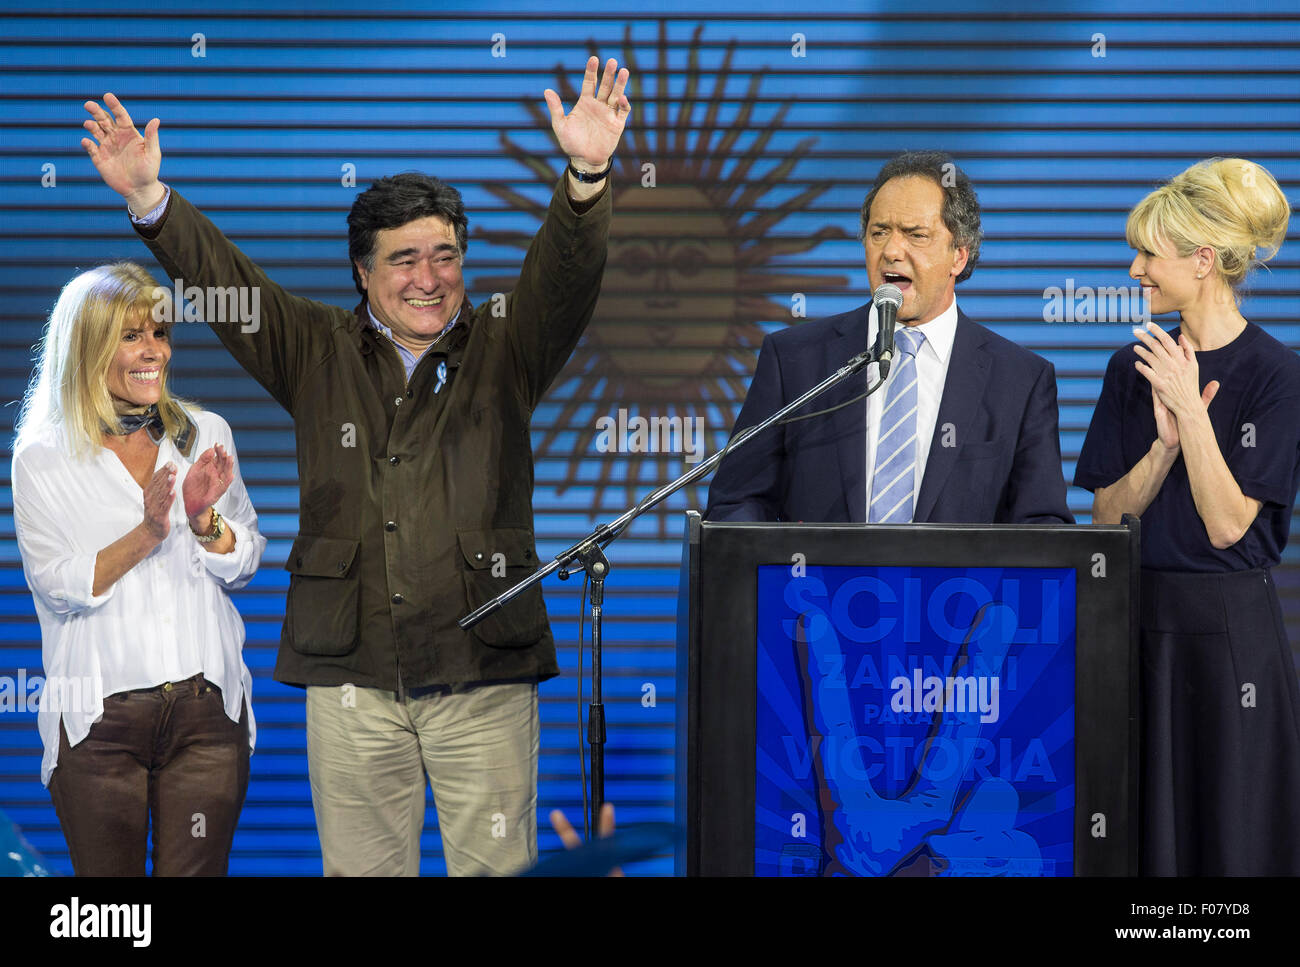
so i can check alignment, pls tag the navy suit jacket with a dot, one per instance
(998, 409)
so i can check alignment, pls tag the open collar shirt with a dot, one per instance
(167, 619)
(931, 373)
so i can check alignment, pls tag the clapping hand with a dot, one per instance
(158, 497)
(207, 480)
(1174, 375)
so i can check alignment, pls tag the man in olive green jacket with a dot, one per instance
(415, 472)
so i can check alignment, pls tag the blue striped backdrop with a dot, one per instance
(1059, 141)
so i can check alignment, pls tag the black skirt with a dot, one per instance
(1220, 784)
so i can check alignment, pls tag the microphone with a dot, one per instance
(887, 299)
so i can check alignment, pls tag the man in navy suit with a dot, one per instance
(965, 429)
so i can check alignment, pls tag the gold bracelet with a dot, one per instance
(218, 529)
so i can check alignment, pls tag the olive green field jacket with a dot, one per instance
(415, 506)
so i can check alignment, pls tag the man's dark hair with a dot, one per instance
(391, 203)
(961, 209)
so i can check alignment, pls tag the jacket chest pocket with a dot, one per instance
(496, 560)
(978, 482)
(322, 616)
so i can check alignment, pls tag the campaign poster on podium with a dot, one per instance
(915, 721)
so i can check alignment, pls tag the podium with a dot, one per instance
(916, 700)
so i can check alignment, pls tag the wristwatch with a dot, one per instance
(218, 529)
(592, 178)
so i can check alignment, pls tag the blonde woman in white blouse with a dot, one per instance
(134, 524)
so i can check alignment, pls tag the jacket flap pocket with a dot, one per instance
(480, 548)
(321, 557)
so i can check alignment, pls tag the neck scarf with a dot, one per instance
(131, 417)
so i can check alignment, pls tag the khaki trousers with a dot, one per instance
(369, 750)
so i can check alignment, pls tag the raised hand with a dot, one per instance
(158, 497)
(207, 480)
(863, 832)
(127, 161)
(591, 131)
(570, 838)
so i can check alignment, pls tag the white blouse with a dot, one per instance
(167, 619)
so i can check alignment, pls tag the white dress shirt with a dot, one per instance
(931, 372)
(167, 619)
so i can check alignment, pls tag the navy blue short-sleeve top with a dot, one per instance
(1256, 420)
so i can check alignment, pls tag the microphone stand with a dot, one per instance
(588, 555)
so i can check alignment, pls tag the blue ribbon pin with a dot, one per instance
(442, 375)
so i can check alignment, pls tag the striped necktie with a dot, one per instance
(893, 483)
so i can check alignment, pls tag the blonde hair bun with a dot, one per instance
(1230, 204)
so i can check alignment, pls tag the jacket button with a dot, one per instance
(394, 460)
(390, 526)
(478, 556)
(297, 562)
(398, 401)
(343, 566)
(398, 599)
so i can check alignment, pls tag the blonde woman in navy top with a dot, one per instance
(1197, 431)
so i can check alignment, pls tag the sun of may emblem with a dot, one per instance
(693, 272)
